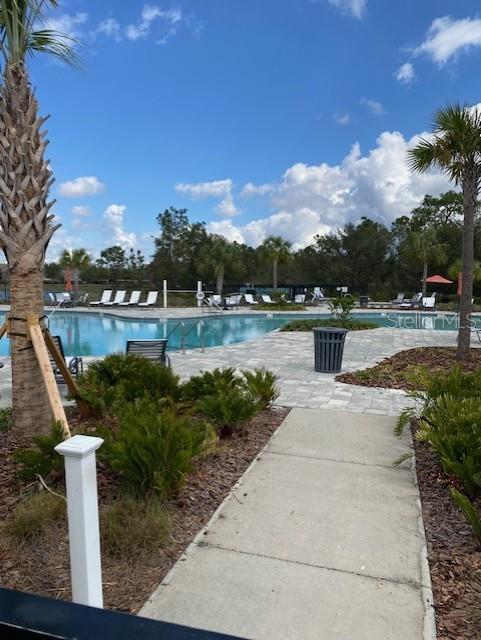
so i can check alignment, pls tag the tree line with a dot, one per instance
(367, 256)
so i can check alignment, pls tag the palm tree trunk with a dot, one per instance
(25, 230)
(274, 274)
(425, 275)
(219, 285)
(470, 196)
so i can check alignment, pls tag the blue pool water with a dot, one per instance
(93, 334)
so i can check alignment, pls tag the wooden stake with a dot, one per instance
(40, 348)
(65, 371)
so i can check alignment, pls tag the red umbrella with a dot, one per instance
(68, 280)
(438, 280)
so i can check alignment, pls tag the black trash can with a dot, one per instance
(363, 302)
(328, 349)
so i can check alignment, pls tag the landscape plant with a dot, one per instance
(455, 148)
(26, 221)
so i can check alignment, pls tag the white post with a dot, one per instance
(165, 294)
(83, 518)
(199, 290)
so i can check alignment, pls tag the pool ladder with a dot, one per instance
(186, 330)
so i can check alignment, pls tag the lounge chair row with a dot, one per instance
(416, 302)
(236, 299)
(120, 301)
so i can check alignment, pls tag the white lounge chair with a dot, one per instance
(151, 299)
(106, 295)
(399, 299)
(429, 303)
(266, 299)
(233, 301)
(249, 298)
(413, 303)
(318, 296)
(133, 300)
(119, 297)
(299, 298)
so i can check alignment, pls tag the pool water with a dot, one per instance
(94, 334)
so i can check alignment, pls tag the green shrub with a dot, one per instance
(281, 306)
(154, 450)
(228, 409)
(130, 527)
(341, 308)
(261, 386)
(466, 506)
(41, 459)
(33, 515)
(125, 378)
(452, 426)
(309, 324)
(5, 419)
(209, 382)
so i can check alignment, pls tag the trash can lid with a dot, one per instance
(330, 329)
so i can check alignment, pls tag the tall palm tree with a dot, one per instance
(216, 258)
(76, 260)
(425, 247)
(277, 251)
(455, 148)
(456, 268)
(26, 224)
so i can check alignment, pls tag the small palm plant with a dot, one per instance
(455, 148)
(425, 247)
(26, 222)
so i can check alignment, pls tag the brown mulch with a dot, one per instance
(392, 373)
(454, 553)
(43, 567)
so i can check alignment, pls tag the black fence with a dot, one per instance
(25, 616)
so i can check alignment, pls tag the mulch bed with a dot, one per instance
(454, 554)
(392, 373)
(43, 567)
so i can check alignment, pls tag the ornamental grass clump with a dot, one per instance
(449, 420)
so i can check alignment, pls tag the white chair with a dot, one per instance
(299, 298)
(106, 295)
(133, 300)
(151, 299)
(119, 297)
(317, 295)
(233, 301)
(399, 299)
(429, 303)
(249, 298)
(266, 299)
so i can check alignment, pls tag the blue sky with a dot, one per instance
(272, 116)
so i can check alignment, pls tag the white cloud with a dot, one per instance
(114, 226)
(311, 199)
(214, 189)
(149, 14)
(446, 37)
(110, 28)
(405, 74)
(250, 189)
(82, 211)
(82, 186)
(355, 8)
(198, 190)
(226, 208)
(342, 118)
(67, 24)
(372, 106)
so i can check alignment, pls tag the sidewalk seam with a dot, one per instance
(361, 464)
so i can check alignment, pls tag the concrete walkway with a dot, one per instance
(322, 539)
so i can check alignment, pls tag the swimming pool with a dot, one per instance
(96, 334)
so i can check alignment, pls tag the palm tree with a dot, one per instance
(277, 251)
(26, 224)
(456, 268)
(455, 148)
(216, 258)
(76, 260)
(425, 247)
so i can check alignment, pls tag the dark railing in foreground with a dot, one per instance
(25, 616)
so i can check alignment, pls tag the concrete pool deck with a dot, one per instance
(290, 357)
